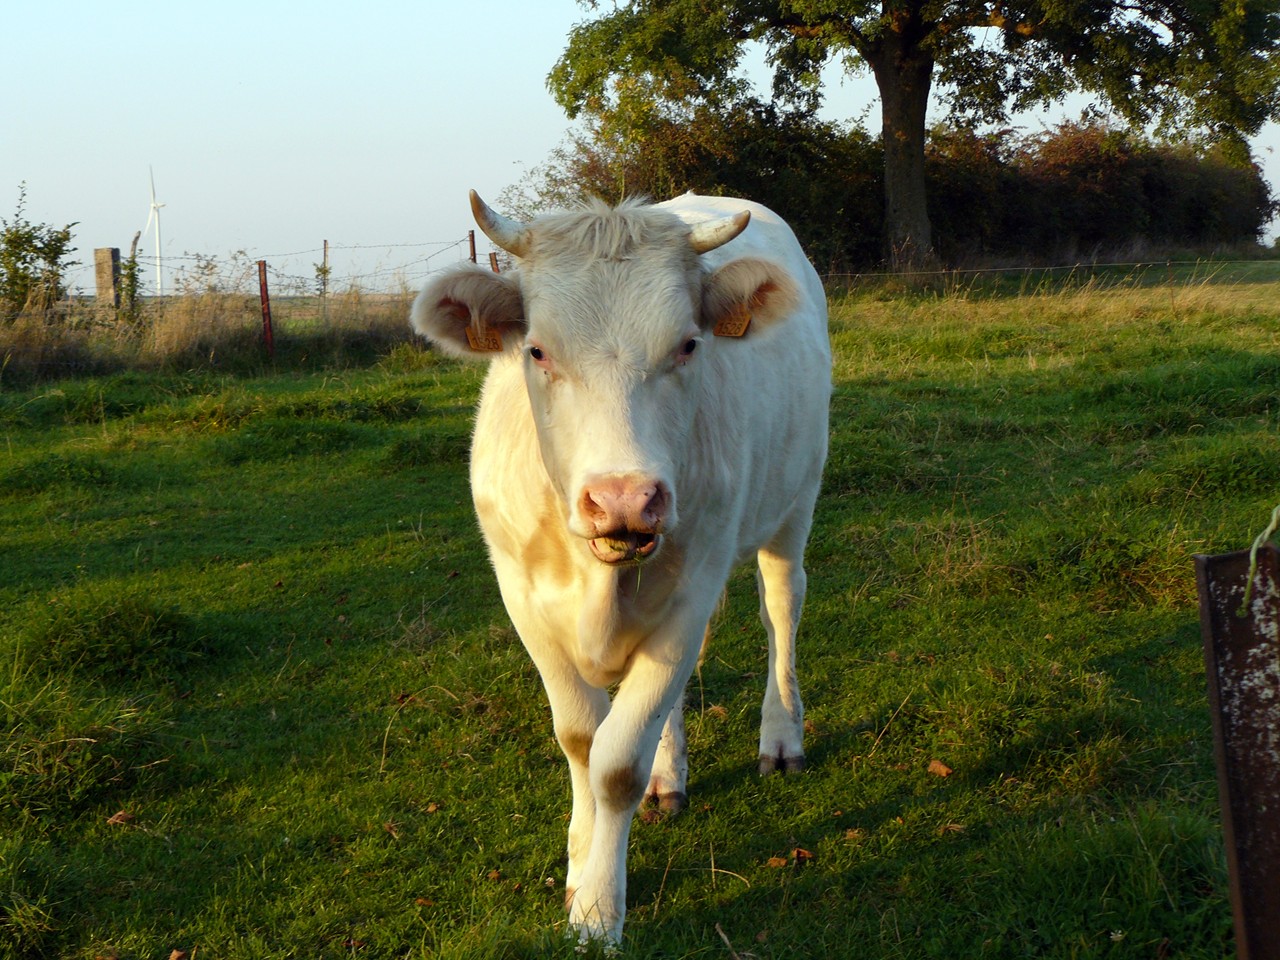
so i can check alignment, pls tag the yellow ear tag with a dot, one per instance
(734, 323)
(484, 341)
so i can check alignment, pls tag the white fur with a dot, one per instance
(737, 431)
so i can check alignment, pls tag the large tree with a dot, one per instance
(1203, 65)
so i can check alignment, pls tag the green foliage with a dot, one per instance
(1066, 193)
(1192, 65)
(325, 740)
(33, 259)
(129, 313)
(1208, 68)
(1083, 187)
(824, 178)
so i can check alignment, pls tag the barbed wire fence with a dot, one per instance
(332, 286)
(369, 269)
(354, 300)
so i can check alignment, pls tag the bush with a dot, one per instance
(33, 259)
(1077, 190)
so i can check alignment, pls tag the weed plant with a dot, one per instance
(259, 698)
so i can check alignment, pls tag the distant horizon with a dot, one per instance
(278, 132)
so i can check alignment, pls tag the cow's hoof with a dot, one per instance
(673, 803)
(770, 764)
(658, 805)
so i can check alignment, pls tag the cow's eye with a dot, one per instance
(537, 353)
(689, 347)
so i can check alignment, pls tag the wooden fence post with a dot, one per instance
(267, 336)
(471, 242)
(493, 262)
(324, 286)
(106, 269)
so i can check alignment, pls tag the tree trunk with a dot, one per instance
(904, 74)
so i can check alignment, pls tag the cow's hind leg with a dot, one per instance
(668, 782)
(781, 581)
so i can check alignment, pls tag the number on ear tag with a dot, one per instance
(734, 323)
(483, 340)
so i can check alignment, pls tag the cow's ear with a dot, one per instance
(747, 295)
(470, 312)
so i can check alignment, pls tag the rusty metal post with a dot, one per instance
(267, 336)
(1242, 659)
(471, 243)
(493, 262)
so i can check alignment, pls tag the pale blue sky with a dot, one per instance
(273, 126)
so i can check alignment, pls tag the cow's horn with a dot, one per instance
(510, 235)
(716, 233)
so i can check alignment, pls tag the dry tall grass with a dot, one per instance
(206, 329)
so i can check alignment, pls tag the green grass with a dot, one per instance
(258, 696)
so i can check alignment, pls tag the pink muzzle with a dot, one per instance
(626, 513)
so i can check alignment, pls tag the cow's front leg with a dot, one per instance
(575, 724)
(577, 709)
(621, 758)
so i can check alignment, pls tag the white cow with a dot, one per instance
(655, 413)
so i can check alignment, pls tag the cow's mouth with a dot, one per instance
(626, 548)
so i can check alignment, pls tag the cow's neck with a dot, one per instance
(619, 607)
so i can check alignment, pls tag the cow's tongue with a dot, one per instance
(631, 546)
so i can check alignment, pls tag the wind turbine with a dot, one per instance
(155, 215)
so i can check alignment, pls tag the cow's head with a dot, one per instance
(613, 317)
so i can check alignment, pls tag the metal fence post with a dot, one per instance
(1242, 660)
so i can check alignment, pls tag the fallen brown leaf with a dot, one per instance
(117, 819)
(776, 862)
(801, 856)
(495, 874)
(179, 955)
(939, 769)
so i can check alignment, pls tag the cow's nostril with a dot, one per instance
(655, 510)
(590, 508)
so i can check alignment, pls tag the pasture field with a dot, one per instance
(259, 698)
